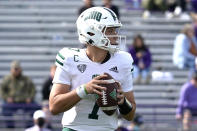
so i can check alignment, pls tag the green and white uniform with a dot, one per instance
(74, 68)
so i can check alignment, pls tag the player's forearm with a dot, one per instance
(63, 102)
(127, 108)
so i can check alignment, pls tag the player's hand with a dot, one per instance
(120, 94)
(93, 87)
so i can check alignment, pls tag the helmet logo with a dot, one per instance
(112, 14)
(94, 15)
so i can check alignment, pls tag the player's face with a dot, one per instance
(112, 35)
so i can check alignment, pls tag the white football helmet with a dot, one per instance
(91, 26)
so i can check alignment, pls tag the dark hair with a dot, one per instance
(138, 36)
(194, 75)
(40, 122)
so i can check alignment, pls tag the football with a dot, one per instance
(108, 100)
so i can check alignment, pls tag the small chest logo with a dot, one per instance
(81, 67)
(114, 69)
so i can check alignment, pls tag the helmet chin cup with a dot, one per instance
(91, 26)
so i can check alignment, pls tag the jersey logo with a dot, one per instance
(81, 67)
(114, 69)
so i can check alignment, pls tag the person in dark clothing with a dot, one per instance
(142, 59)
(48, 84)
(87, 4)
(108, 4)
(183, 5)
(194, 6)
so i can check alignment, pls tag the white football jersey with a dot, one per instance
(74, 68)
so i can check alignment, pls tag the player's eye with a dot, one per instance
(112, 30)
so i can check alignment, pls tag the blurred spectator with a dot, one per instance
(194, 19)
(154, 5)
(133, 4)
(45, 109)
(45, 94)
(183, 4)
(46, 88)
(39, 118)
(179, 7)
(142, 59)
(87, 4)
(18, 92)
(187, 106)
(171, 6)
(121, 126)
(182, 9)
(185, 50)
(108, 4)
(193, 6)
(136, 123)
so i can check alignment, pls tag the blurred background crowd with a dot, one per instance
(161, 37)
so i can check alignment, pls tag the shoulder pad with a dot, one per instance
(65, 54)
(125, 59)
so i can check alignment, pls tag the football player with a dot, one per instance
(78, 74)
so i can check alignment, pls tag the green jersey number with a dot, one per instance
(93, 114)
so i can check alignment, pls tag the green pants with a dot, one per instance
(67, 129)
